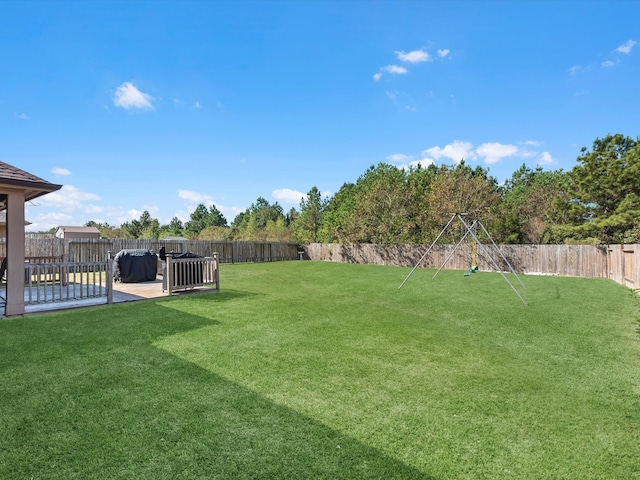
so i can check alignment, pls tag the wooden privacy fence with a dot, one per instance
(617, 262)
(97, 250)
(620, 263)
(623, 264)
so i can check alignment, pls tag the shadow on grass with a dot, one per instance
(216, 295)
(86, 395)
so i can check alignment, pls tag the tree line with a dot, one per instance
(598, 201)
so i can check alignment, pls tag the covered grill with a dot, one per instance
(135, 265)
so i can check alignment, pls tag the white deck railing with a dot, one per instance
(188, 273)
(67, 281)
(51, 282)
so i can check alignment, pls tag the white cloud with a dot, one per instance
(287, 195)
(399, 158)
(395, 69)
(195, 197)
(128, 96)
(21, 116)
(92, 209)
(196, 104)
(134, 214)
(60, 172)
(424, 163)
(43, 222)
(404, 162)
(230, 212)
(490, 152)
(416, 56)
(546, 159)
(455, 151)
(626, 47)
(402, 99)
(68, 197)
(576, 69)
(152, 208)
(392, 69)
(494, 152)
(526, 151)
(412, 57)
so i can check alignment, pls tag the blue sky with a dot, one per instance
(162, 105)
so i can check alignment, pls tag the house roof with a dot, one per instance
(72, 229)
(34, 186)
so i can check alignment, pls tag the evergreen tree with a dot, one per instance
(144, 227)
(338, 224)
(605, 191)
(308, 224)
(202, 218)
(175, 228)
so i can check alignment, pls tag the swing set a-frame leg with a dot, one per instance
(495, 265)
(453, 251)
(428, 249)
(479, 244)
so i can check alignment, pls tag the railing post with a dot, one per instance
(169, 274)
(109, 279)
(217, 270)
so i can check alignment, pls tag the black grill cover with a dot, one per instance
(135, 265)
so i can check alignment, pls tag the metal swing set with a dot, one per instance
(471, 231)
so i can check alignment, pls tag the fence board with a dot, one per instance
(97, 250)
(623, 264)
(620, 263)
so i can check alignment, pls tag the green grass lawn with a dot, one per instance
(328, 371)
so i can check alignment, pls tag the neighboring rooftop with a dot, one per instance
(64, 231)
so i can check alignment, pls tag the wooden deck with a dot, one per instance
(122, 292)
